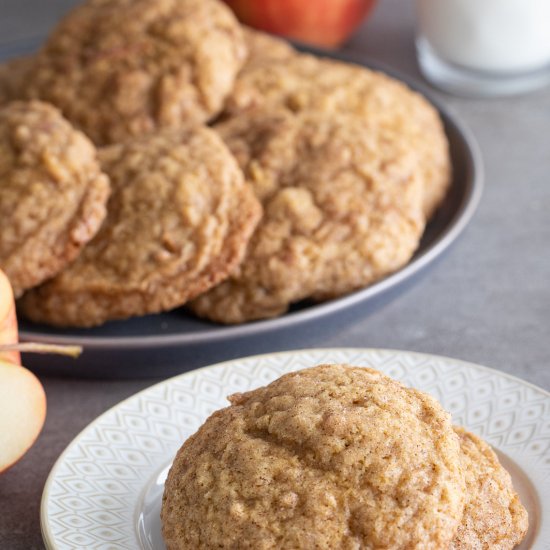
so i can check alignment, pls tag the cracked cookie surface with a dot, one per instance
(122, 68)
(493, 516)
(305, 82)
(178, 222)
(52, 193)
(342, 208)
(330, 457)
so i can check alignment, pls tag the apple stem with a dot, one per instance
(32, 347)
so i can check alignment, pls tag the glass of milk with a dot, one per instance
(484, 47)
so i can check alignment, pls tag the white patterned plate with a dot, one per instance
(104, 492)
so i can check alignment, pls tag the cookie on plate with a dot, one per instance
(52, 193)
(263, 47)
(330, 457)
(122, 68)
(13, 76)
(342, 208)
(493, 516)
(178, 222)
(304, 82)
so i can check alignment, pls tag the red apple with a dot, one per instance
(8, 320)
(321, 22)
(22, 412)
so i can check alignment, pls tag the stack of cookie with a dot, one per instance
(244, 176)
(338, 457)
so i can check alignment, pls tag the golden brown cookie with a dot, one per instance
(13, 76)
(494, 517)
(122, 68)
(178, 222)
(303, 82)
(332, 457)
(263, 47)
(52, 193)
(342, 208)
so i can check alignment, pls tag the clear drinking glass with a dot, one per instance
(484, 47)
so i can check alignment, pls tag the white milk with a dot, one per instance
(507, 36)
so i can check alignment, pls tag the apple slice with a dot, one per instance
(22, 412)
(8, 320)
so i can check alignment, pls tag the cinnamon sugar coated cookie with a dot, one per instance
(494, 517)
(122, 68)
(178, 222)
(52, 193)
(342, 208)
(333, 457)
(304, 82)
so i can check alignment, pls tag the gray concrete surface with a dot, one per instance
(486, 301)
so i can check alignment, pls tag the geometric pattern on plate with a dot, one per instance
(94, 490)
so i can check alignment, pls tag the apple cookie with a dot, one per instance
(123, 68)
(342, 208)
(304, 82)
(13, 75)
(493, 516)
(52, 193)
(334, 457)
(178, 222)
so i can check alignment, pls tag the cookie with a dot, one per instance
(178, 222)
(123, 68)
(52, 193)
(303, 82)
(333, 457)
(13, 76)
(263, 47)
(342, 208)
(493, 516)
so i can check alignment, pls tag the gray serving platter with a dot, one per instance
(169, 343)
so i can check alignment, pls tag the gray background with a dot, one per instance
(486, 301)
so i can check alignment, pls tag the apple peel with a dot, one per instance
(8, 320)
(325, 23)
